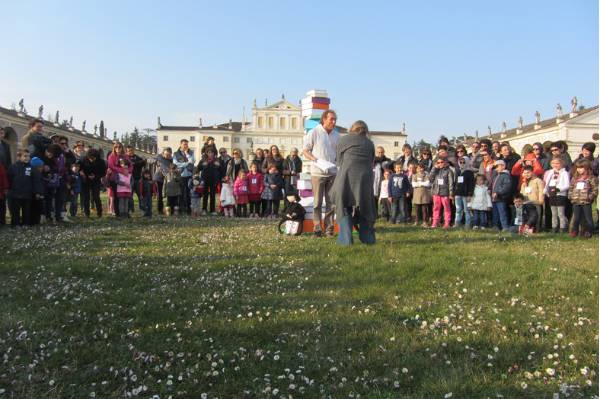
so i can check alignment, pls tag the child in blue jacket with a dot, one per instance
(398, 191)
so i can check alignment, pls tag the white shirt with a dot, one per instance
(323, 146)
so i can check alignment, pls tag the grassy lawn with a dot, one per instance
(230, 309)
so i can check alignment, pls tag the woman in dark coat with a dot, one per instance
(273, 157)
(352, 190)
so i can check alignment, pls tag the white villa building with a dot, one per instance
(279, 123)
(575, 128)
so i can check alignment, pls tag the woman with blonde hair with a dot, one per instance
(352, 191)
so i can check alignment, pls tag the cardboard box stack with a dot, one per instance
(313, 106)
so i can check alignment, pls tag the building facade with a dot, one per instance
(575, 128)
(278, 124)
(16, 125)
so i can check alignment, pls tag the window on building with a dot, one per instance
(225, 139)
(395, 144)
(248, 140)
(270, 122)
(236, 139)
(282, 123)
(294, 123)
(192, 138)
(261, 122)
(165, 138)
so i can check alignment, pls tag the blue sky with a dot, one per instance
(440, 67)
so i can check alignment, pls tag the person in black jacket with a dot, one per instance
(93, 169)
(21, 189)
(463, 191)
(292, 167)
(5, 156)
(139, 164)
(210, 168)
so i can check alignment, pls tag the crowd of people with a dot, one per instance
(485, 186)
(51, 181)
(490, 186)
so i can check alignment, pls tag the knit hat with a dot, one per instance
(36, 162)
(499, 162)
(591, 147)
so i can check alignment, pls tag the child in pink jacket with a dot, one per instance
(240, 192)
(255, 189)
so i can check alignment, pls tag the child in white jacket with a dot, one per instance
(227, 198)
(556, 188)
(481, 203)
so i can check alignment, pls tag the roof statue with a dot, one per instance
(574, 104)
(538, 117)
(56, 117)
(520, 122)
(41, 112)
(21, 106)
(489, 130)
(559, 110)
(83, 126)
(504, 126)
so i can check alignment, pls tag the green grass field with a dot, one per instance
(228, 308)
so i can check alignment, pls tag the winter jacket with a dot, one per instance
(421, 187)
(272, 193)
(36, 143)
(502, 187)
(196, 186)
(5, 156)
(353, 185)
(138, 164)
(233, 168)
(398, 185)
(211, 171)
(173, 184)
(464, 183)
(517, 169)
(533, 190)
(481, 199)
(227, 198)
(442, 181)
(556, 183)
(270, 160)
(403, 160)
(255, 186)
(379, 165)
(147, 188)
(240, 190)
(3, 181)
(583, 190)
(184, 162)
(75, 182)
(163, 164)
(292, 167)
(57, 174)
(123, 183)
(95, 168)
(21, 180)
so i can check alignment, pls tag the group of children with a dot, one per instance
(477, 198)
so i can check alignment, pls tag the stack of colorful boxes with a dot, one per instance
(313, 106)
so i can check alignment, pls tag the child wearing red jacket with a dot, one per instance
(3, 192)
(240, 192)
(255, 189)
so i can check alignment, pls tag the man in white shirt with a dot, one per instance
(320, 146)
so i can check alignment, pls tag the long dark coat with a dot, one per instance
(353, 185)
